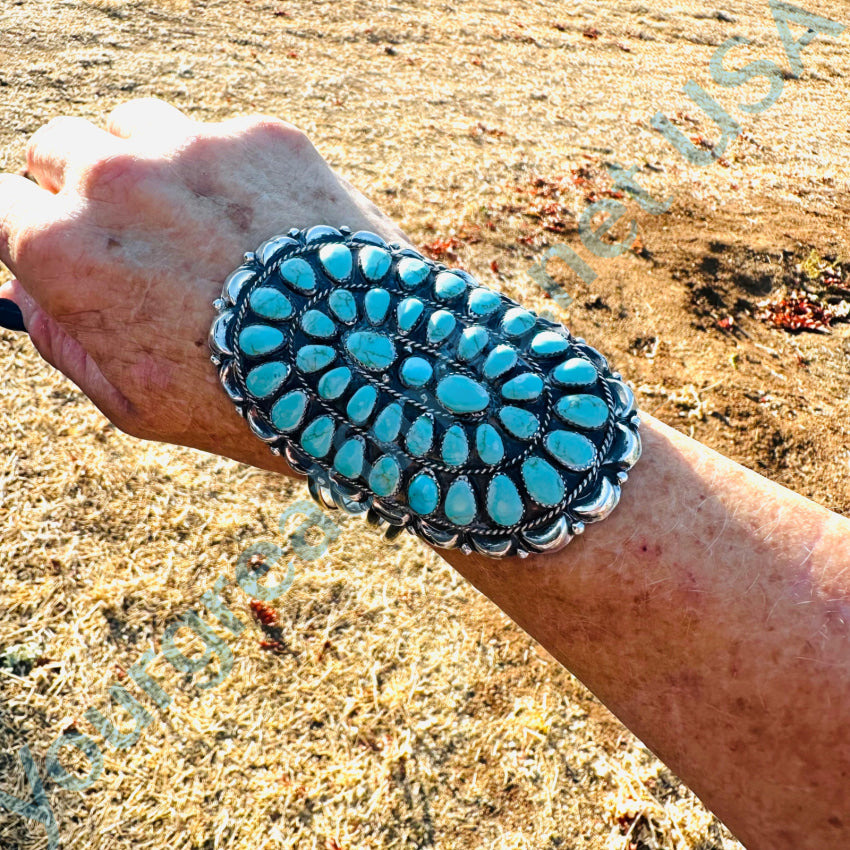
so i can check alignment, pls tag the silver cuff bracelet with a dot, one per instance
(408, 392)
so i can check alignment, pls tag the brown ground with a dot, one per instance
(400, 709)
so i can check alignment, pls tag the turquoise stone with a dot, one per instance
(388, 423)
(542, 482)
(583, 411)
(374, 262)
(349, 458)
(270, 303)
(361, 404)
(460, 394)
(408, 313)
(266, 379)
(489, 444)
(571, 450)
(482, 302)
(455, 446)
(334, 383)
(256, 340)
(549, 343)
(525, 387)
(298, 274)
(336, 261)
(344, 306)
(313, 358)
(420, 437)
(500, 360)
(316, 323)
(415, 372)
(440, 325)
(316, 438)
(503, 501)
(423, 494)
(384, 477)
(522, 424)
(576, 372)
(472, 342)
(459, 506)
(371, 350)
(448, 285)
(518, 321)
(377, 302)
(288, 411)
(411, 272)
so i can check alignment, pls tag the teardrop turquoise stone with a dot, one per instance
(490, 447)
(525, 387)
(576, 372)
(313, 358)
(518, 321)
(344, 306)
(440, 325)
(460, 506)
(256, 340)
(543, 483)
(583, 411)
(316, 323)
(415, 372)
(548, 344)
(371, 350)
(361, 404)
(411, 272)
(455, 446)
(316, 438)
(472, 342)
(460, 394)
(334, 383)
(266, 379)
(503, 501)
(483, 301)
(571, 450)
(384, 477)
(448, 285)
(336, 260)
(298, 274)
(420, 436)
(349, 459)
(287, 411)
(423, 494)
(388, 423)
(408, 313)
(374, 262)
(270, 303)
(377, 302)
(500, 360)
(522, 424)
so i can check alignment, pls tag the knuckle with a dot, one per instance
(114, 176)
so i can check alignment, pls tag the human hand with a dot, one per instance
(120, 249)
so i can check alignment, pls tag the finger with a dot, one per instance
(147, 117)
(23, 207)
(65, 143)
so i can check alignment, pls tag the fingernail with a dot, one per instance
(10, 316)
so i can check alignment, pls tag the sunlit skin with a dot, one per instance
(710, 612)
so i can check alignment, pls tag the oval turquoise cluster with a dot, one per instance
(406, 388)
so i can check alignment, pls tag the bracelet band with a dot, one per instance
(409, 392)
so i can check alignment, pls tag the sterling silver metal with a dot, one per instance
(369, 367)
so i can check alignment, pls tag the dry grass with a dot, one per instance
(399, 708)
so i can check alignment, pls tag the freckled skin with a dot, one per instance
(710, 612)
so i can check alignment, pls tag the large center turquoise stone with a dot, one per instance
(371, 350)
(460, 394)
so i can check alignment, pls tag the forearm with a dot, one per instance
(710, 613)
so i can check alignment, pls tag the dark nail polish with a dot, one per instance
(10, 316)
